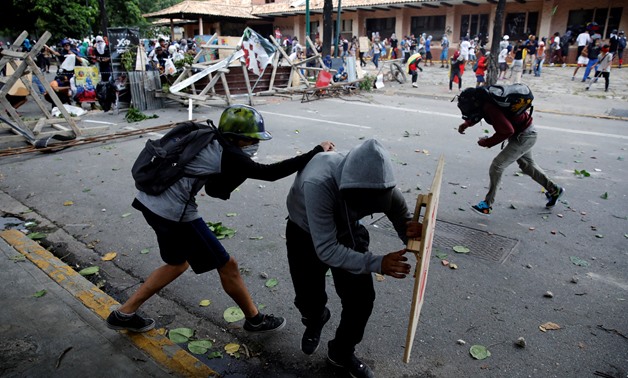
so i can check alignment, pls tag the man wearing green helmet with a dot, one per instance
(184, 238)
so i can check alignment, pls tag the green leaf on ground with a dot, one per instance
(271, 283)
(231, 214)
(39, 294)
(221, 231)
(199, 346)
(126, 215)
(89, 271)
(233, 314)
(215, 354)
(604, 196)
(479, 352)
(461, 249)
(205, 303)
(36, 235)
(145, 251)
(180, 335)
(582, 173)
(441, 255)
(578, 261)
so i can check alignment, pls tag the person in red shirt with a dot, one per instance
(481, 69)
(521, 135)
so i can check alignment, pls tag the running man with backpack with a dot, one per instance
(184, 238)
(505, 108)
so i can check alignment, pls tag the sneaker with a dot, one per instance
(134, 323)
(573, 78)
(312, 336)
(353, 365)
(269, 323)
(415, 85)
(553, 198)
(482, 208)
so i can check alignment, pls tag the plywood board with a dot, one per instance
(423, 250)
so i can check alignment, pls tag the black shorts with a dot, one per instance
(428, 55)
(186, 241)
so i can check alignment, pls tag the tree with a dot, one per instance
(328, 8)
(492, 71)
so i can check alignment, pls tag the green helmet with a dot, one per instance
(242, 121)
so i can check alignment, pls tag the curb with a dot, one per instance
(158, 347)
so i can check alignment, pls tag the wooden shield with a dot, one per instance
(423, 249)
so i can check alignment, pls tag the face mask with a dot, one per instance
(251, 149)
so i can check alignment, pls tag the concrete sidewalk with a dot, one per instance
(62, 333)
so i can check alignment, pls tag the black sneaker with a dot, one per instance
(134, 324)
(353, 365)
(312, 336)
(553, 198)
(270, 323)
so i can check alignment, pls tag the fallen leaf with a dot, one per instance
(233, 314)
(460, 249)
(271, 283)
(68, 203)
(578, 261)
(453, 266)
(89, 271)
(604, 196)
(36, 235)
(204, 303)
(379, 277)
(180, 335)
(109, 256)
(144, 251)
(231, 214)
(199, 346)
(39, 294)
(549, 326)
(256, 237)
(126, 215)
(232, 348)
(479, 352)
(441, 255)
(215, 354)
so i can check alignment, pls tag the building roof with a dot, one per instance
(298, 6)
(196, 8)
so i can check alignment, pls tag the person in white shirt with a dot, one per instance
(501, 62)
(603, 67)
(465, 45)
(583, 39)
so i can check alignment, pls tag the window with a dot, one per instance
(430, 25)
(270, 1)
(519, 26)
(578, 20)
(384, 26)
(473, 25)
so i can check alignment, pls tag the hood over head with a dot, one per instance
(367, 166)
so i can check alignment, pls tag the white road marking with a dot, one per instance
(550, 128)
(317, 120)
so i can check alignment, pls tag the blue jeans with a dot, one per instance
(587, 71)
(376, 59)
(538, 65)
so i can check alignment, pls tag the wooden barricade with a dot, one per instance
(422, 248)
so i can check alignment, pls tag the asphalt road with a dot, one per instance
(494, 297)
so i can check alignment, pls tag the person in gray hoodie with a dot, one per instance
(184, 238)
(325, 204)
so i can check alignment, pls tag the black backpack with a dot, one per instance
(161, 162)
(512, 99)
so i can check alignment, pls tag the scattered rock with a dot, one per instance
(521, 342)
(263, 275)
(461, 342)
(548, 294)
(574, 279)
(529, 266)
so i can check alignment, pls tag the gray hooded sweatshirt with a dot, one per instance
(316, 205)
